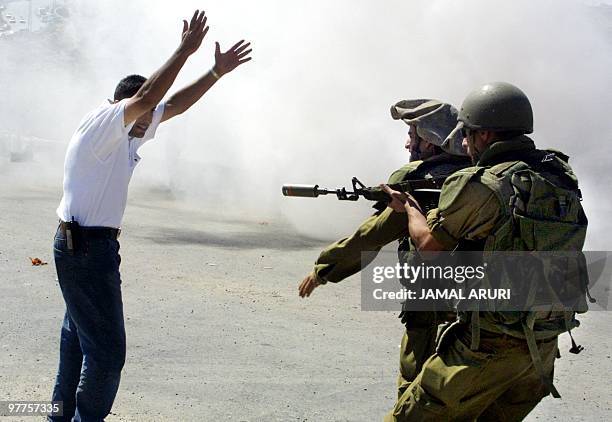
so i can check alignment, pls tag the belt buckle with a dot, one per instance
(118, 234)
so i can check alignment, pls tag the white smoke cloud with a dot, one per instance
(313, 105)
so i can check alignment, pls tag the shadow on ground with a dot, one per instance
(234, 240)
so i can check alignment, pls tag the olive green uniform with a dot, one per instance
(343, 259)
(498, 380)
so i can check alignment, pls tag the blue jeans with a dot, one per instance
(92, 342)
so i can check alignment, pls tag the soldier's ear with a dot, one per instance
(488, 135)
(430, 146)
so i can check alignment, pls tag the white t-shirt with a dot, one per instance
(100, 160)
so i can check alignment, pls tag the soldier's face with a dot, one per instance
(419, 148)
(411, 143)
(468, 144)
(475, 142)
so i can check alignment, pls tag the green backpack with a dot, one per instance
(541, 211)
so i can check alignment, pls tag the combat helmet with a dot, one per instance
(434, 121)
(497, 106)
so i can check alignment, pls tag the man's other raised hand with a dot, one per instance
(232, 58)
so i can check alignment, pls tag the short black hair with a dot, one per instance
(129, 86)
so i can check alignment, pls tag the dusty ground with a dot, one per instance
(216, 330)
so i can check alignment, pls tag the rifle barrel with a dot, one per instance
(426, 187)
(304, 191)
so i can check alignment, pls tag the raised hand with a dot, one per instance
(232, 58)
(193, 33)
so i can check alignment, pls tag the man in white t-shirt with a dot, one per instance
(100, 160)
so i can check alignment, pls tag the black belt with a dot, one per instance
(92, 232)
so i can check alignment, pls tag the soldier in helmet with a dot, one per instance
(434, 152)
(492, 365)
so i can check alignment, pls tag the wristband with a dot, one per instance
(215, 74)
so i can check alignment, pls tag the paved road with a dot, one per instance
(216, 330)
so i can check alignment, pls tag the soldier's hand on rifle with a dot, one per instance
(400, 201)
(193, 33)
(308, 285)
(232, 58)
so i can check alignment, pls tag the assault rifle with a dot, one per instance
(426, 191)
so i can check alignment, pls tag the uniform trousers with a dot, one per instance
(497, 382)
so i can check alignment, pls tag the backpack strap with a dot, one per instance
(528, 324)
(475, 326)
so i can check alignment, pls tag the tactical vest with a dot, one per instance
(541, 210)
(440, 166)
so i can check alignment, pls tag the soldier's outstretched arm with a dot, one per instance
(343, 258)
